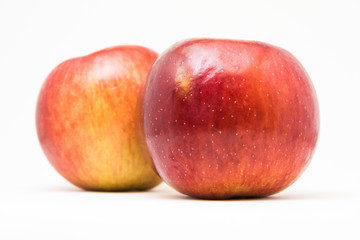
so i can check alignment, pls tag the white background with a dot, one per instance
(37, 203)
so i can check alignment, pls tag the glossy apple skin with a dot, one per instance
(226, 118)
(86, 120)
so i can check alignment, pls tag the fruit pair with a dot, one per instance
(220, 118)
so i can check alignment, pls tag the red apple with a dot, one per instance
(226, 118)
(86, 120)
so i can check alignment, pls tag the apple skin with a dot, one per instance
(227, 118)
(87, 117)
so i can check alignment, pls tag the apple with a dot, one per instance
(228, 118)
(87, 120)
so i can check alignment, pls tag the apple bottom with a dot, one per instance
(89, 167)
(216, 168)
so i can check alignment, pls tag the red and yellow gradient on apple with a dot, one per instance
(87, 120)
(227, 118)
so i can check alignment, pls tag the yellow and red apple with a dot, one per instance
(226, 118)
(87, 120)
